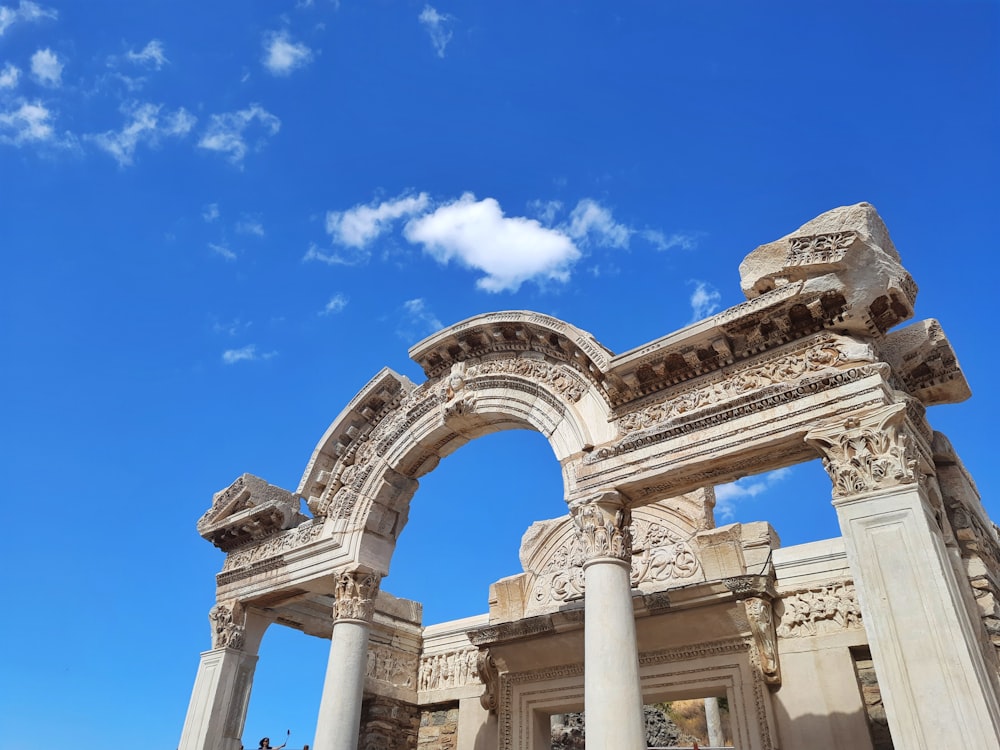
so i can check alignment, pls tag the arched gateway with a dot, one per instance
(635, 596)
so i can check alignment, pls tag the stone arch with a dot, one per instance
(512, 370)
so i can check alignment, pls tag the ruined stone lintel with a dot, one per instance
(228, 621)
(604, 527)
(356, 591)
(871, 450)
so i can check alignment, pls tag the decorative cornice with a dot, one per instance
(604, 527)
(750, 586)
(356, 591)
(511, 631)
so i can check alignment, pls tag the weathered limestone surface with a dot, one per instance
(635, 596)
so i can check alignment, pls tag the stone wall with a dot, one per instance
(438, 728)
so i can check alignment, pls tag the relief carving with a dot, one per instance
(604, 527)
(390, 665)
(557, 378)
(819, 248)
(272, 547)
(761, 619)
(869, 451)
(448, 670)
(486, 669)
(228, 620)
(818, 610)
(356, 591)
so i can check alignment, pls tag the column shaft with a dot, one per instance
(340, 708)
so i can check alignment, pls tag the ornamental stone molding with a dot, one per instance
(356, 591)
(489, 675)
(228, 621)
(392, 666)
(604, 527)
(819, 610)
(761, 619)
(448, 670)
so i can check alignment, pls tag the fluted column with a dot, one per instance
(339, 720)
(218, 706)
(924, 646)
(612, 694)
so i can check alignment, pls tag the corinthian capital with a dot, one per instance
(870, 450)
(356, 592)
(604, 527)
(228, 619)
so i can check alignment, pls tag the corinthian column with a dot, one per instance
(924, 646)
(612, 695)
(340, 707)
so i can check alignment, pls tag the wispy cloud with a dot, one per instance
(151, 56)
(9, 76)
(359, 226)
(230, 328)
(661, 241)
(25, 11)
(144, 125)
(705, 300)
(222, 250)
(282, 55)
(30, 122)
(436, 25)
(728, 495)
(509, 250)
(337, 303)
(251, 227)
(418, 320)
(210, 213)
(226, 132)
(247, 353)
(47, 68)
(590, 222)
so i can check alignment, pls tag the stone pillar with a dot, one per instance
(935, 686)
(339, 720)
(612, 694)
(714, 721)
(218, 706)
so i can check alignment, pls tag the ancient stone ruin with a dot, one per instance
(635, 596)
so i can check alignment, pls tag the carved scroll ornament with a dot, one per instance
(819, 610)
(356, 591)
(486, 669)
(761, 619)
(604, 527)
(871, 450)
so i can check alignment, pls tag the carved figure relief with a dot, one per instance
(227, 630)
(355, 595)
(448, 670)
(558, 378)
(392, 666)
(819, 610)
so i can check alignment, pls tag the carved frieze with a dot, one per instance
(557, 378)
(391, 666)
(818, 610)
(511, 631)
(870, 450)
(604, 527)
(449, 670)
(274, 546)
(228, 622)
(819, 248)
(356, 591)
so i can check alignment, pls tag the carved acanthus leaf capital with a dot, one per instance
(604, 527)
(868, 451)
(356, 592)
(228, 621)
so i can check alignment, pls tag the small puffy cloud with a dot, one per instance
(704, 300)
(251, 227)
(247, 353)
(282, 55)
(30, 122)
(222, 250)
(436, 25)
(226, 132)
(728, 495)
(419, 320)
(210, 213)
(337, 303)
(144, 124)
(359, 226)
(25, 11)
(46, 67)
(151, 56)
(509, 250)
(591, 222)
(9, 76)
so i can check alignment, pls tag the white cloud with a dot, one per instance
(337, 303)
(211, 212)
(282, 55)
(727, 495)
(510, 250)
(683, 240)
(250, 226)
(25, 11)
(436, 25)
(9, 76)
(31, 122)
(419, 321)
(152, 55)
(340, 257)
(225, 132)
(592, 222)
(358, 226)
(46, 68)
(704, 300)
(144, 125)
(545, 211)
(222, 250)
(247, 353)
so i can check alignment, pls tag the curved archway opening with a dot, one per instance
(466, 521)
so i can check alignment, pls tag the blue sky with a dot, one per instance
(219, 220)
